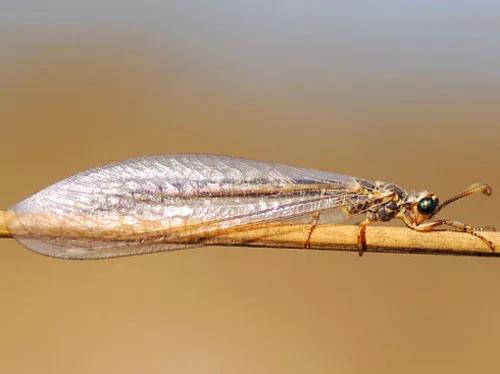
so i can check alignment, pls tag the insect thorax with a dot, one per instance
(383, 200)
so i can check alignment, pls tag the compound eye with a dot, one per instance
(427, 205)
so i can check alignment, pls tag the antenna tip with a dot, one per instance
(483, 187)
(487, 190)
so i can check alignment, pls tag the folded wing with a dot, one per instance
(163, 203)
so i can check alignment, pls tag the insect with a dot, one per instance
(162, 203)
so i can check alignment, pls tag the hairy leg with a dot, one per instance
(457, 226)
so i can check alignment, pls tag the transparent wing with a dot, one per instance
(170, 202)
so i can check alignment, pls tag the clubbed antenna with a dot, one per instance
(472, 189)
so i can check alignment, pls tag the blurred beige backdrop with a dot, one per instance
(407, 92)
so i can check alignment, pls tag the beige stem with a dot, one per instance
(4, 233)
(344, 238)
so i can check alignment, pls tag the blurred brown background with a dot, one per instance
(407, 92)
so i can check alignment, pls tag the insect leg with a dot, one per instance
(471, 230)
(314, 223)
(458, 226)
(361, 238)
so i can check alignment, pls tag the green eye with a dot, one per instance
(427, 205)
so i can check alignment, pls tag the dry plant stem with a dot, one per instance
(344, 238)
(378, 239)
(4, 233)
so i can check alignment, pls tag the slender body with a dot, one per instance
(161, 203)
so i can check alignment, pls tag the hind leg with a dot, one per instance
(314, 223)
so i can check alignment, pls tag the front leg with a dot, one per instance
(458, 226)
